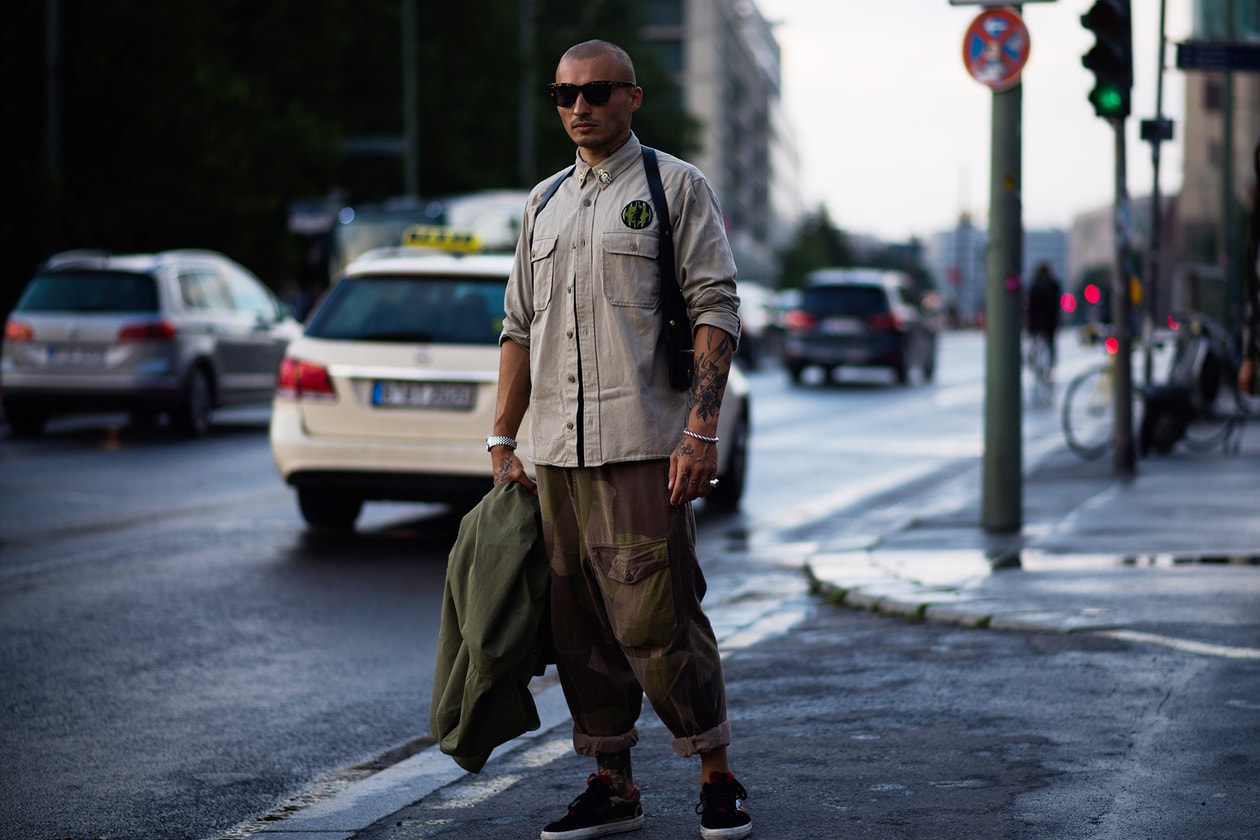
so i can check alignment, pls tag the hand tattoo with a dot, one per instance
(505, 467)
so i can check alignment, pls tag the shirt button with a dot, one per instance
(569, 425)
(572, 378)
(569, 334)
(587, 202)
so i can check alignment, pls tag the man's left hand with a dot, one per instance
(692, 466)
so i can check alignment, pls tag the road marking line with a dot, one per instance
(1202, 648)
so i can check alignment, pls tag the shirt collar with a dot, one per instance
(614, 165)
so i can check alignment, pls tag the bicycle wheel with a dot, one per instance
(1042, 375)
(1088, 412)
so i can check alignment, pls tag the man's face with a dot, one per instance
(598, 129)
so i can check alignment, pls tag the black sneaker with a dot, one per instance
(597, 812)
(721, 809)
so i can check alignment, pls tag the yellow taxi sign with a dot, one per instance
(441, 238)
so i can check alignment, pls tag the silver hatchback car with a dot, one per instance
(176, 333)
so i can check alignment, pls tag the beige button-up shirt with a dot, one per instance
(584, 299)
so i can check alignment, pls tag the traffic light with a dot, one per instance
(1111, 58)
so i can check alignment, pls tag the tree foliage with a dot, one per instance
(819, 244)
(188, 124)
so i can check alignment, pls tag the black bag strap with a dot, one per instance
(675, 308)
(551, 189)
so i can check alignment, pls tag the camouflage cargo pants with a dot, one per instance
(625, 608)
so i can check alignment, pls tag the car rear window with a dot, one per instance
(858, 301)
(406, 308)
(90, 291)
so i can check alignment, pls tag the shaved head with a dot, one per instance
(602, 49)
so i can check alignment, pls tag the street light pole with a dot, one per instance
(410, 107)
(1156, 137)
(1124, 460)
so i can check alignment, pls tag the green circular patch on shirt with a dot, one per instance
(637, 214)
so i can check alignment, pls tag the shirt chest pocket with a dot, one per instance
(630, 270)
(542, 258)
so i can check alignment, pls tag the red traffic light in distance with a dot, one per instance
(1111, 58)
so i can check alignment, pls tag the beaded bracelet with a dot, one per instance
(690, 433)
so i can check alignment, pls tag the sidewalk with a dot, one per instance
(1089, 540)
(1096, 557)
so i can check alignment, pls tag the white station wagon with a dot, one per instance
(390, 392)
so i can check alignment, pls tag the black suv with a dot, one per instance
(861, 317)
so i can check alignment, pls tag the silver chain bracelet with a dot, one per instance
(690, 433)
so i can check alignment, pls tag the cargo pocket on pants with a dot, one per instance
(638, 592)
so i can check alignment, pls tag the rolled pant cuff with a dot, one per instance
(596, 745)
(718, 736)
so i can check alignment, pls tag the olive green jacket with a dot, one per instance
(495, 630)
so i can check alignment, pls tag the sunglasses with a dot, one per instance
(595, 93)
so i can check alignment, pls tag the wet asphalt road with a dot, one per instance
(856, 725)
(179, 655)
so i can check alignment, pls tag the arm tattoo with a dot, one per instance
(712, 364)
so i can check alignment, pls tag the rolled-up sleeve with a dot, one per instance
(707, 269)
(518, 301)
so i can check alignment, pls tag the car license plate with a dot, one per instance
(70, 354)
(450, 396)
(841, 326)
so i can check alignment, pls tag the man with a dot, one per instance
(619, 454)
(1043, 307)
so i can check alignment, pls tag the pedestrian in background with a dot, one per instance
(619, 454)
(1249, 370)
(1043, 307)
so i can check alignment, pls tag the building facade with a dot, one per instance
(1221, 131)
(727, 62)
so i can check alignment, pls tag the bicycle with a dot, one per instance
(1200, 404)
(1088, 416)
(1205, 370)
(1041, 363)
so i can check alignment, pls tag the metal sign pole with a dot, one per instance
(1002, 507)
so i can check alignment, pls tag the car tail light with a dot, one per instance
(148, 331)
(885, 322)
(304, 380)
(16, 330)
(800, 320)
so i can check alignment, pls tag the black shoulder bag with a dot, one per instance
(678, 345)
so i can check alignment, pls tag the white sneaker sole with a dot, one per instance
(736, 833)
(632, 824)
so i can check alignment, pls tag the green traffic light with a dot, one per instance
(1108, 101)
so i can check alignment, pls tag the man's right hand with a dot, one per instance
(508, 467)
(1245, 375)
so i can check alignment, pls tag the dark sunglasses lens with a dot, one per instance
(564, 95)
(596, 93)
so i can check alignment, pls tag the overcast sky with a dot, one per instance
(893, 133)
